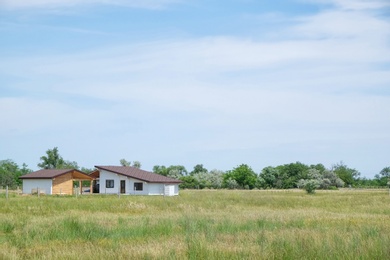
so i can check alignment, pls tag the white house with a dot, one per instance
(53, 181)
(134, 181)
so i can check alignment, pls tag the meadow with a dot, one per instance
(198, 224)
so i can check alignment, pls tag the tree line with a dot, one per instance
(287, 176)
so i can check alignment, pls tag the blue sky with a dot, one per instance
(169, 82)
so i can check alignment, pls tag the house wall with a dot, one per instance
(42, 184)
(63, 184)
(148, 188)
(105, 175)
(169, 190)
(156, 189)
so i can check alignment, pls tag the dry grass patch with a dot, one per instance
(207, 224)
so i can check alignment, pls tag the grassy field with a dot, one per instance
(206, 224)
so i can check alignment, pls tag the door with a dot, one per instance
(123, 186)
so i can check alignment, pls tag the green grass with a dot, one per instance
(206, 224)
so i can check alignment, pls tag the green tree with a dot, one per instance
(52, 160)
(69, 165)
(216, 178)
(309, 186)
(124, 162)
(174, 171)
(243, 175)
(348, 175)
(189, 182)
(10, 173)
(289, 174)
(198, 168)
(136, 164)
(161, 169)
(383, 177)
(268, 177)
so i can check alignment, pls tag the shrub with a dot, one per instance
(309, 186)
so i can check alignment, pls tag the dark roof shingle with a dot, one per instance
(45, 174)
(49, 173)
(138, 174)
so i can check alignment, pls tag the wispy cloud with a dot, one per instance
(354, 4)
(320, 82)
(52, 4)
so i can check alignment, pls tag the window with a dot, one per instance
(109, 183)
(138, 186)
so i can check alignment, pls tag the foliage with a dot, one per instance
(243, 175)
(348, 175)
(310, 185)
(188, 182)
(173, 170)
(10, 173)
(198, 169)
(135, 164)
(231, 183)
(86, 170)
(201, 180)
(282, 177)
(289, 174)
(383, 178)
(52, 160)
(325, 179)
(267, 178)
(69, 165)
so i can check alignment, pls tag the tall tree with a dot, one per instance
(243, 175)
(52, 160)
(173, 170)
(136, 164)
(348, 175)
(289, 174)
(198, 169)
(10, 173)
(124, 162)
(383, 178)
(160, 169)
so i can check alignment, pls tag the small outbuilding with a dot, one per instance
(54, 181)
(134, 181)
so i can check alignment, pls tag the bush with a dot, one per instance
(309, 186)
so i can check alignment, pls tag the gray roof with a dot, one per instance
(139, 174)
(49, 173)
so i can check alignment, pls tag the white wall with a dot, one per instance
(104, 175)
(156, 189)
(148, 188)
(42, 184)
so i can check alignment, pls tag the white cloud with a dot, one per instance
(354, 4)
(316, 84)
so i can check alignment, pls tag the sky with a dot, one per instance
(186, 82)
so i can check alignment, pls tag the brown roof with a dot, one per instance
(138, 174)
(50, 174)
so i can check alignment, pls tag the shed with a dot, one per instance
(134, 181)
(54, 181)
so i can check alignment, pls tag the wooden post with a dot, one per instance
(81, 187)
(6, 192)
